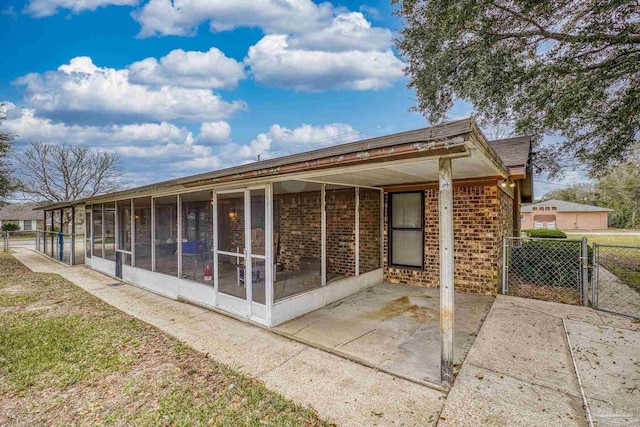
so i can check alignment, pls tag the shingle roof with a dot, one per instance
(563, 206)
(19, 212)
(513, 151)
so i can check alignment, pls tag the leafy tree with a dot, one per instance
(10, 226)
(566, 67)
(619, 189)
(578, 193)
(7, 183)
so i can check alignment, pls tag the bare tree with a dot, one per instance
(64, 173)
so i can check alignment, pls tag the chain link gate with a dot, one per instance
(616, 281)
(547, 269)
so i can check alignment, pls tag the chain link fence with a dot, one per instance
(67, 248)
(617, 279)
(546, 269)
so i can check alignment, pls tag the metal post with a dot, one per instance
(61, 246)
(505, 275)
(445, 205)
(72, 254)
(585, 272)
(594, 277)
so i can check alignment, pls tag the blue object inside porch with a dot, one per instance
(60, 247)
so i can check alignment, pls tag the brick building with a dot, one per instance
(272, 240)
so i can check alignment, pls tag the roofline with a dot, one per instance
(438, 137)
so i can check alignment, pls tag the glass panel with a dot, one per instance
(197, 237)
(231, 222)
(406, 247)
(124, 225)
(341, 232)
(97, 230)
(257, 222)
(142, 224)
(406, 210)
(109, 231)
(297, 237)
(258, 274)
(369, 226)
(231, 276)
(166, 234)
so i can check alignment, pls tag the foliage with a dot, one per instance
(545, 233)
(7, 183)
(565, 67)
(62, 173)
(617, 188)
(548, 262)
(10, 226)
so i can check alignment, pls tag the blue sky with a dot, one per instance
(177, 88)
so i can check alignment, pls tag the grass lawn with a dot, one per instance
(624, 263)
(67, 358)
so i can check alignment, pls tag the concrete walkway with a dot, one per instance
(341, 391)
(520, 371)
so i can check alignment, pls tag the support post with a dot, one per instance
(445, 206)
(585, 272)
(72, 253)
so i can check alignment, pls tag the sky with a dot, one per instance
(181, 87)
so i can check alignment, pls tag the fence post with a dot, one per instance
(504, 265)
(585, 272)
(594, 277)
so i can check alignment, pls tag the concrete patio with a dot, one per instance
(391, 327)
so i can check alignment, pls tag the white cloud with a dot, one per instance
(275, 61)
(41, 8)
(346, 32)
(80, 88)
(205, 70)
(280, 141)
(219, 131)
(183, 17)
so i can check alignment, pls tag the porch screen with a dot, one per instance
(406, 229)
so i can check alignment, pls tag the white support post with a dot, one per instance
(248, 273)
(269, 262)
(323, 234)
(179, 235)
(153, 234)
(133, 234)
(214, 202)
(357, 231)
(445, 205)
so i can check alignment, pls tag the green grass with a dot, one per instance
(66, 358)
(624, 263)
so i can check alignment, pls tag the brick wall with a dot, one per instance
(341, 232)
(297, 221)
(482, 215)
(370, 239)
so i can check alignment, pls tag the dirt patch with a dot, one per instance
(404, 306)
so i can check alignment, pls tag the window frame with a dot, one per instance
(391, 229)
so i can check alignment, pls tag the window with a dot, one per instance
(406, 226)
(166, 234)
(28, 225)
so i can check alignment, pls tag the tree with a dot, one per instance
(567, 67)
(7, 183)
(619, 189)
(63, 173)
(577, 193)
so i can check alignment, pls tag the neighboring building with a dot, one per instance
(564, 215)
(22, 214)
(272, 240)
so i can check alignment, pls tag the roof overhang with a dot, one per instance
(389, 160)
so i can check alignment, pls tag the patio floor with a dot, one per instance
(392, 327)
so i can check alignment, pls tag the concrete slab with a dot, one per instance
(521, 340)
(608, 360)
(482, 397)
(392, 327)
(345, 392)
